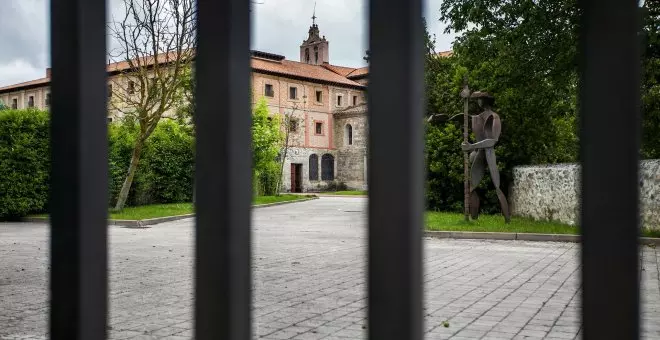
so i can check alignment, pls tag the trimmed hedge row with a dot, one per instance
(24, 162)
(165, 174)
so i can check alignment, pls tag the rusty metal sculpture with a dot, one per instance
(486, 127)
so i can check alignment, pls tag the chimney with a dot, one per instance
(48, 73)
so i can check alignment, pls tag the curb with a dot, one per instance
(342, 196)
(325, 194)
(140, 224)
(472, 235)
(266, 205)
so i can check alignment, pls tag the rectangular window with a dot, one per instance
(338, 100)
(354, 100)
(268, 90)
(293, 125)
(109, 90)
(131, 87)
(31, 101)
(109, 119)
(14, 103)
(319, 96)
(293, 92)
(47, 99)
(319, 128)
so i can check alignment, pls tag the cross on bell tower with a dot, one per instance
(314, 15)
(315, 49)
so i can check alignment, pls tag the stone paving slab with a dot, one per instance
(309, 281)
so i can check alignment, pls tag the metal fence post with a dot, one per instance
(223, 171)
(396, 170)
(79, 174)
(610, 134)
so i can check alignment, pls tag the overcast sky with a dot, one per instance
(279, 26)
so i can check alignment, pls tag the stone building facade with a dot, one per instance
(327, 103)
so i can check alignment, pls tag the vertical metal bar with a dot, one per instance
(396, 170)
(223, 171)
(610, 140)
(79, 174)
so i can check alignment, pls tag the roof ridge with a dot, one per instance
(329, 68)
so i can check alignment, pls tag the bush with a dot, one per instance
(167, 167)
(24, 162)
(266, 179)
(444, 163)
(266, 139)
(121, 137)
(165, 172)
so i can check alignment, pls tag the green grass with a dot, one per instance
(275, 199)
(174, 209)
(495, 223)
(348, 193)
(152, 211)
(444, 221)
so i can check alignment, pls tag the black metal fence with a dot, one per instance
(79, 289)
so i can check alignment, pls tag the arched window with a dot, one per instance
(348, 134)
(307, 55)
(328, 167)
(313, 167)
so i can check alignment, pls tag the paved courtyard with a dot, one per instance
(309, 281)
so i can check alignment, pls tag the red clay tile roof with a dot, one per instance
(359, 72)
(326, 73)
(301, 70)
(340, 70)
(146, 61)
(112, 67)
(40, 81)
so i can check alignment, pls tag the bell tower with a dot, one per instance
(314, 50)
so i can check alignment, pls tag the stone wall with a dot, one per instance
(352, 158)
(552, 192)
(297, 155)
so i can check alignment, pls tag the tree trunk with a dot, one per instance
(466, 164)
(279, 180)
(132, 168)
(278, 187)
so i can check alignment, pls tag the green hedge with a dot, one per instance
(165, 174)
(24, 162)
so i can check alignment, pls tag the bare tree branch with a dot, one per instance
(156, 40)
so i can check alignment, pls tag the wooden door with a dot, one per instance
(293, 177)
(296, 177)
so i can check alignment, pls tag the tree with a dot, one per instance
(289, 123)
(525, 54)
(156, 40)
(266, 139)
(3, 106)
(651, 80)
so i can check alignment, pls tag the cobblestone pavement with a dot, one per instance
(309, 281)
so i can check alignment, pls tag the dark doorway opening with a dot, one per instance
(296, 177)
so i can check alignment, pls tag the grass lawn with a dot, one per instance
(494, 223)
(275, 199)
(443, 221)
(173, 209)
(152, 211)
(348, 193)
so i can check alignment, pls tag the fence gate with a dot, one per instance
(78, 284)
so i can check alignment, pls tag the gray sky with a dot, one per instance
(279, 26)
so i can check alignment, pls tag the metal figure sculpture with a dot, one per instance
(486, 127)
